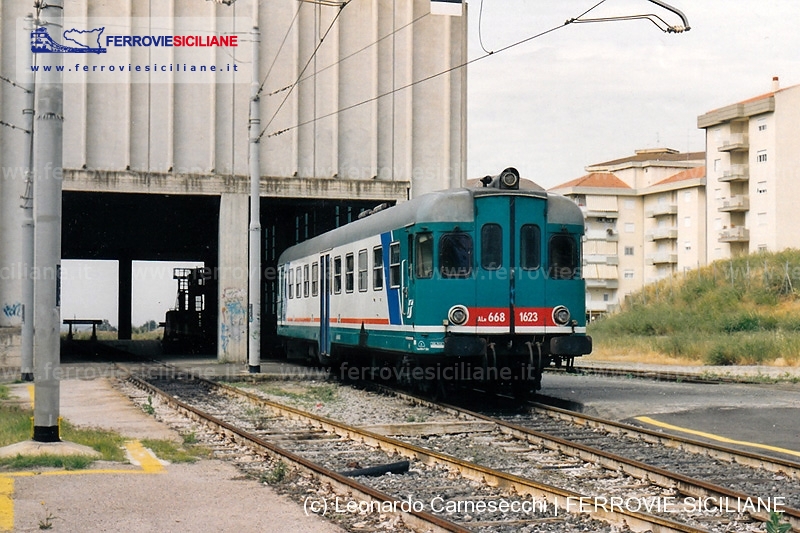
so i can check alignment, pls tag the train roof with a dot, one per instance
(451, 205)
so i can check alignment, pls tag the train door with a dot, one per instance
(324, 308)
(511, 284)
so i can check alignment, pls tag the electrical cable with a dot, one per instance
(299, 76)
(283, 42)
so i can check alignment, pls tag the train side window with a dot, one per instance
(455, 255)
(305, 281)
(298, 278)
(314, 279)
(563, 257)
(349, 267)
(363, 272)
(424, 253)
(530, 239)
(377, 268)
(491, 246)
(337, 274)
(290, 282)
(394, 265)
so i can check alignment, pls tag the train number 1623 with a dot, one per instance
(528, 317)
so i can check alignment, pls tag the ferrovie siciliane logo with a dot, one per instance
(89, 41)
(83, 41)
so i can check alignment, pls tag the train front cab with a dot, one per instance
(507, 287)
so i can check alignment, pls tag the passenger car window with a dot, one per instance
(563, 255)
(491, 246)
(394, 264)
(455, 255)
(530, 238)
(424, 246)
(337, 274)
(377, 268)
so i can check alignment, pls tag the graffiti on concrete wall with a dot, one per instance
(233, 320)
(12, 310)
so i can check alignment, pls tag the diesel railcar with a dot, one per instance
(478, 284)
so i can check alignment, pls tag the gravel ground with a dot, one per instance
(209, 495)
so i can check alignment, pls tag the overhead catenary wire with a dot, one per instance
(353, 54)
(578, 19)
(423, 80)
(305, 67)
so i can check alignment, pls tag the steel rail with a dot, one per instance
(416, 519)
(724, 453)
(684, 484)
(636, 521)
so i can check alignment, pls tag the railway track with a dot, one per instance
(482, 482)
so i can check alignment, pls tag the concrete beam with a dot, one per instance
(212, 184)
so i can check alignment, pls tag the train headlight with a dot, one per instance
(458, 315)
(509, 178)
(561, 315)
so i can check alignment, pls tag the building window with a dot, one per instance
(762, 247)
(762, 219)
(687, 245)
(687, 222)
(349, 270)
(377, 268)
(606, 297)
(629, 250)
(629, 274)
(761, 156)
(717, 165)
(762, 124)
(687, 196)
(363, 273)
(629, 227)
(762, 187)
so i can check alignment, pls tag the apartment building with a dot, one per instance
(753, 162)
(645, 220)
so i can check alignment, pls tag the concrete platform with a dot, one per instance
(209, 495)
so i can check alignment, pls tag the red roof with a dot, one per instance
(596, 179)
(688, 174)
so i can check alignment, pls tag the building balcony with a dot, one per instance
(736, 173)
(733, 204)
(593, 283)
(604, 235)
(736, 142)
(737, 234)
(600, 259)
(660, 234)
(600, 307)
(662, 210)
(662, 258)
(596, 213)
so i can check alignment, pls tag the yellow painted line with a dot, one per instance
(648, 420)
(31, 392)
(149, 462)
(139, 455)
(6, 504)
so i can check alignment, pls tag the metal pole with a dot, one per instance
(254, 264)
(27, 79)
(47, 214)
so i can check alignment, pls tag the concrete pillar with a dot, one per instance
(233, 279)
(125, 312)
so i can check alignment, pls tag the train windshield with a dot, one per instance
(529, 244)
(455, 255)
(563, 257)
(491, 246)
